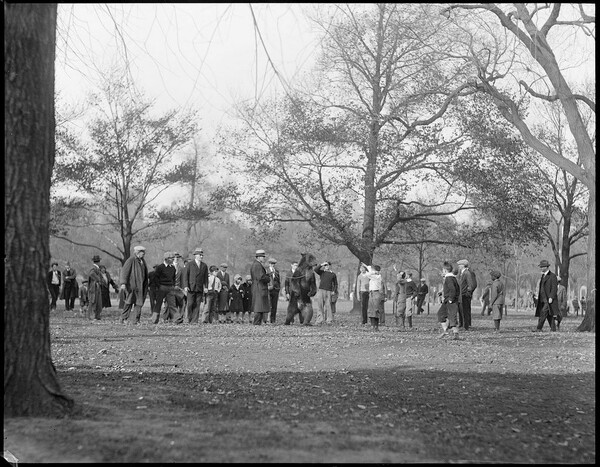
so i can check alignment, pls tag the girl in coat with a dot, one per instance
(236, 299)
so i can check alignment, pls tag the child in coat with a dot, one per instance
(247, 299)
(236, 299)
(210, 312)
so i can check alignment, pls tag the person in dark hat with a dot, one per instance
(164, 282)
(95, 282)
(223, 300)
(274, 289)
(247, 299)
(134, 282)
(547, 299)
(260, 287)
(468, 284)
(195, 285)
(496, 299)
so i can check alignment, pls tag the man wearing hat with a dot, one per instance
(178, 289)
(547, 302)
(164, 281)
(195, 285)
(134, 282)
(95, 281)
(223, 301)
(468, 284)
(422, 291)
(274, 288)
(260, 287)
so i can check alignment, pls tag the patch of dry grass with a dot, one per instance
(242, 393)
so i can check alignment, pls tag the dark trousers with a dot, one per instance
(464, 310)
(137, 312)
(194, 301)
(54, 292)
(274, 295)
(259, 318)
(420, 300)
(69, 293)
(546, 315)
(166, 293)
(364, 306)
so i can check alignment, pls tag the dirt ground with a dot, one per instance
(329, 394)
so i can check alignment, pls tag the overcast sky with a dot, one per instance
(202, 55)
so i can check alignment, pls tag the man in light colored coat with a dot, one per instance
(134, 281)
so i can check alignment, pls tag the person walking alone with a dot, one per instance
(547, 303)
(274, 289)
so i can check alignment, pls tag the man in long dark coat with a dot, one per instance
(195, 285)
(134, 281)
(547, 302)
(95, 282)
(70, 287)
(260, 287)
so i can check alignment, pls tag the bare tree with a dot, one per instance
(31, 386)
(543, 78)
(118, 178)
(359, 141)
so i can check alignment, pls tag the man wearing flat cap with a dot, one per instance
(164, 283)
(195, 284)
(468, 284)
(260, 287)
(180, 298)
(134, 281)
(547, 302)
(274, 289)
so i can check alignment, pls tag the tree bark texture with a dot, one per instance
(31, 386)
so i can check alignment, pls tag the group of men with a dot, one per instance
(191, 290)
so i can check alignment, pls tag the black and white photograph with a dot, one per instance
(335, 233)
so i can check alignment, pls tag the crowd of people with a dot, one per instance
(193, 292)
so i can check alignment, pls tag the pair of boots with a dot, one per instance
(375, 324)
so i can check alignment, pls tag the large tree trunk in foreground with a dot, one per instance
(31, 387)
